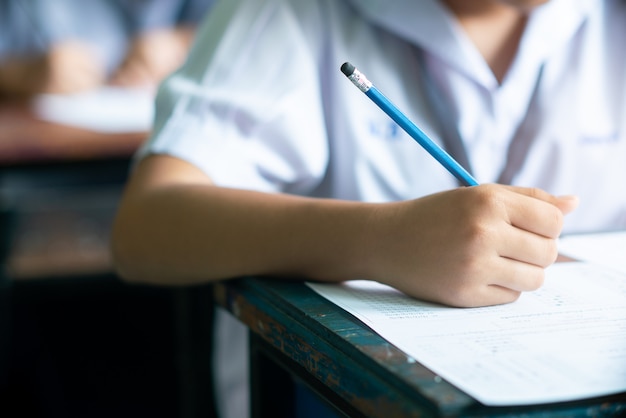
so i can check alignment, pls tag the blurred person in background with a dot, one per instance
(70, 46)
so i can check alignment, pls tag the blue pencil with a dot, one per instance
(359, 80)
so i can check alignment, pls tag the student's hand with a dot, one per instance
(71, 67)
(471, 246)
(152, 56)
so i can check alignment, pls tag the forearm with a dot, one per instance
(196, 233)
(470, 246)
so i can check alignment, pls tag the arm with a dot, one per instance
(466, 247)
(174, 226)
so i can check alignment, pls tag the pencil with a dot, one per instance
(366, 86)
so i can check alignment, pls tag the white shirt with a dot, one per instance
(261, 103)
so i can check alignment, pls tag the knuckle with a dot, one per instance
(489, 196)
(535, 192)
(477, 236)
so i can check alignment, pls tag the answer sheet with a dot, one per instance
(566, 341)
(607, 249)
(107, 109)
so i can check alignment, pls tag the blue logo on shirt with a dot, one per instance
(387, 130)
(599, 139)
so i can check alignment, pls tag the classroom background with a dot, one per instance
(74, 340)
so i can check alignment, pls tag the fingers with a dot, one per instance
(516, 276)
(489, 295)
(565, 203)
(541, 214)
(513, 245)
(475, 246)
(501, 281)
(526, 247)
(531, 210)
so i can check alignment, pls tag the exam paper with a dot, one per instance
(107, 109)
(607, 249)
(566, 341)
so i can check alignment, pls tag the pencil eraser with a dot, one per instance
(347, 69)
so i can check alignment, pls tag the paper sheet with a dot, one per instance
(607, 249)
(566, 341)
(107, 109)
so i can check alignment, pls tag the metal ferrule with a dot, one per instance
(359, 80)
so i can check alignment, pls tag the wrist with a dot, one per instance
(341, 240)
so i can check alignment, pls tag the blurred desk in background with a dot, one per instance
(26, 140)
(83, 343)
(61, 185)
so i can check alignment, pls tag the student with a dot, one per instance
(68, 46)
(266, 160)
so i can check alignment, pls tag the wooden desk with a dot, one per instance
(295, 332)
(26, 140)
(63, 184)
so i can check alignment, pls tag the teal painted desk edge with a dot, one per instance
(370, 373)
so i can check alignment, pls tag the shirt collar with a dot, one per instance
(431, 26)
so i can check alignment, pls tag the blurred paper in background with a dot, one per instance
(107, 109)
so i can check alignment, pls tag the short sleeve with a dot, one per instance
(246, 108)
